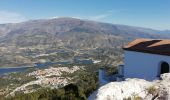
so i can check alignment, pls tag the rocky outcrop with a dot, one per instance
(135, 89)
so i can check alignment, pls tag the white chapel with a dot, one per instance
(146, 59)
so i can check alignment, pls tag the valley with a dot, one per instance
(60, 58)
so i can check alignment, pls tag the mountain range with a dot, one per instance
(71, 32)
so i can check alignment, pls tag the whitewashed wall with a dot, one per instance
(143, 65)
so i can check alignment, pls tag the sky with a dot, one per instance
(143, 13)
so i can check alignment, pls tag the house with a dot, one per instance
(146, 59)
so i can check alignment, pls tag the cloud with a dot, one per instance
(99, 17)
(77, 17)
(105, 15)
(52, 17)
(11, 17)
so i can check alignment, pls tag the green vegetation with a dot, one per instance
(83, 83)
(69, 92)
(79, 90)
(34, 86)
(137, 98)
(13, 80)
(152, 90)
(111, 70)
(134, 97)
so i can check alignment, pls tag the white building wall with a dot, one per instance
(143, 65)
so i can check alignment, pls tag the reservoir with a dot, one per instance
(24, 68)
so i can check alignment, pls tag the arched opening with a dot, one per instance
(164, 68)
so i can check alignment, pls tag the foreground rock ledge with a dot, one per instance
(135, 89)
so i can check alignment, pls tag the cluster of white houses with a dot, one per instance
(146, 59)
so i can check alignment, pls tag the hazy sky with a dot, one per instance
(145, 13)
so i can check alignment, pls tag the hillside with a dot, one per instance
(71, 32)
(26, 43)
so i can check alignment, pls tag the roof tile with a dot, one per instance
(154, 46)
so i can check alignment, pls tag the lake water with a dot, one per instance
(9, 70)
(37, 65)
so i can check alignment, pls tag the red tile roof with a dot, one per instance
(161, 46)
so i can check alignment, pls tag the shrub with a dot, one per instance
(152, 90)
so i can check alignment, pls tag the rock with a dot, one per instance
(135, 89)
(165, 76)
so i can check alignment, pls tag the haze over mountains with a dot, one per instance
(73, 33)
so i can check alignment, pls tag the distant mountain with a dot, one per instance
(73, 33)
